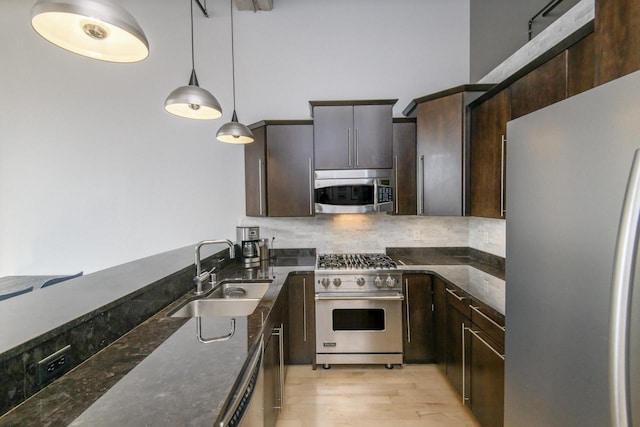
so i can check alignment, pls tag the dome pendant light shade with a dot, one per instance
(97, 29)
(234, 132)
(193, 102)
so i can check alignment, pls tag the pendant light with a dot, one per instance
(234, 132)
(98, 29)
(192, 101)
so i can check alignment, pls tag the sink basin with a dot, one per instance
(210, 307)
(240, 290)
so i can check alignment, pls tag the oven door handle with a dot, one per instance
(398, 297)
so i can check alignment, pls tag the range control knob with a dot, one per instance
(326, 282)
(391, 281)
(360, 281)
(337, 282)
(378, 282)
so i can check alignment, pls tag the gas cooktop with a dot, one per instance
(355, 261)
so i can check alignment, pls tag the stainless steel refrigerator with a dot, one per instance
(572, 234)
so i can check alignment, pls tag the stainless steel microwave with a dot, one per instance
(353, 191)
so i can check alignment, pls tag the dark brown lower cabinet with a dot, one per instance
(487, 378)
(301, 320)
(457, 347)
(417, 321)
(439, 323)
(273, 371)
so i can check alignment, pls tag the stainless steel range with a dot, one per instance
(358, 309)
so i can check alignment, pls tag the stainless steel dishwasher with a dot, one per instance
(247, 405)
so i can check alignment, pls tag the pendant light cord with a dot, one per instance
(193, 61)
(233, 61)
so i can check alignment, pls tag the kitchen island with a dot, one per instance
(159, 374)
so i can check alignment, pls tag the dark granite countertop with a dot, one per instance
(159, 374)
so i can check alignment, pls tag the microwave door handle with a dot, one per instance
(376, 206)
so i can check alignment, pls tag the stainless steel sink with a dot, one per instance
(230, 299)
(210, 307)
(240, 290)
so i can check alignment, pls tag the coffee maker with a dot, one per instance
(248, 245)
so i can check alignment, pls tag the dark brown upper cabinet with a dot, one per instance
(441, 157)
(404, 166)
(617, 39)
(488, 155)
(541, 87)
(279, 169)
(353, 134)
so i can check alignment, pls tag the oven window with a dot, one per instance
(349, 319)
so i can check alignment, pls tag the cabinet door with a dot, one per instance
(301, 320)
(440, 323)
(440, 157)
(457, 352)
(404, 168)
(373, 136)
(418, 319)
(290, 170)
(618, 39)
(581, 66)
(543, 86)
(488, 155)
(272, 378)
(333, 136)
(255, 174)
(487, 379)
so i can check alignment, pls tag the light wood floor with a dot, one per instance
(371, 396)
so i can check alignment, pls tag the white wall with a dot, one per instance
(94, 173)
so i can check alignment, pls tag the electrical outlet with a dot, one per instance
(485, 285)
(416, 234)
(54, 365)
(486, 237)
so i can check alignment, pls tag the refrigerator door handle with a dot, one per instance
(622, 283)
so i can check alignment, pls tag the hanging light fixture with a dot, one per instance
(192, 101)
(234, 132)
(97, 29)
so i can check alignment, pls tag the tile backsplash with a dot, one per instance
(375, 232)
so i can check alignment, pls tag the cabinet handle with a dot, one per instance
(465, 399)
(406, 291)
(349, 145)
(397, 195)
(477, 310)
(456, 296)
(421, 191)
(357, 147)
(260, 186)
(279, 332)
(476, 334)
(304, 308)
(216, 339)
(502, 173)
(311, 192)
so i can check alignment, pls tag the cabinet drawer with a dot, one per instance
(488, 322)
(458, 300)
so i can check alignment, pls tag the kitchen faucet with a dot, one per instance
(200, 276)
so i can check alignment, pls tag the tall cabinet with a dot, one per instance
(279, 169)
(442, 150)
